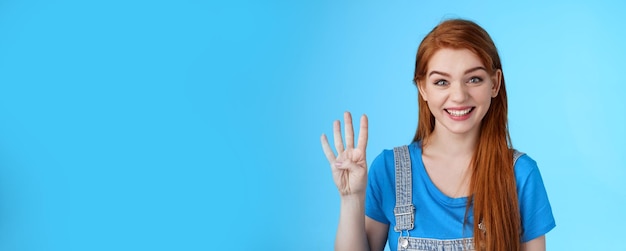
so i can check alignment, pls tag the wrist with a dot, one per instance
(353, 199)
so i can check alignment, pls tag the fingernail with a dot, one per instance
(337, 163)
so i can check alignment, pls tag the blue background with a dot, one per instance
(192, 125)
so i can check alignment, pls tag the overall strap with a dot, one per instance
(404, 210)
(516, 155)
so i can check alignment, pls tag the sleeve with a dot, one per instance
(535, 209)
(374, 192)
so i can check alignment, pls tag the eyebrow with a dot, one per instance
(466, 72)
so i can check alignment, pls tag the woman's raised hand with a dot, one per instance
(349, 166)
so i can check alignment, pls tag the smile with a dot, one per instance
(459, 113)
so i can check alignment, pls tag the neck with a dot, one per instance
(453, 144)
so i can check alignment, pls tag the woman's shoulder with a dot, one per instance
(384, 161)
(525, 166)
(387, 155)
(537, 218)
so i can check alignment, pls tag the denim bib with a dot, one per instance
(404, 210)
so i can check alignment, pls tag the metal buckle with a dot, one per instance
(403, 241)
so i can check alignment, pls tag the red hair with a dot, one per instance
(492, 186)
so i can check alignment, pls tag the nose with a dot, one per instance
(458, 92)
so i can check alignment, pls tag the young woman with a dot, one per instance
(459, 185)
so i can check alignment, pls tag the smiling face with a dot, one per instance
(458, 90)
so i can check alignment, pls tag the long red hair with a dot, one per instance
(492, 186)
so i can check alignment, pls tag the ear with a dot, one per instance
(497, 82)
(420, 88)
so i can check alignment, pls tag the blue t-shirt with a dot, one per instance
(440, 217)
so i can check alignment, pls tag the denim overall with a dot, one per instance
(404, 210)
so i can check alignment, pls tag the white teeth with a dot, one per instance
(458, 113)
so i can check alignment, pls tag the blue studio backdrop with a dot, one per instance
(194, 125)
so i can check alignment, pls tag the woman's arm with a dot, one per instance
(351, 234)
(537, 244)
(357, 231)
(349, 168)
(376, 233)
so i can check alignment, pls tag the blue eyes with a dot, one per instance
(441, 82)
(472, 80)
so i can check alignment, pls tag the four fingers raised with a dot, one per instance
(349, 131)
